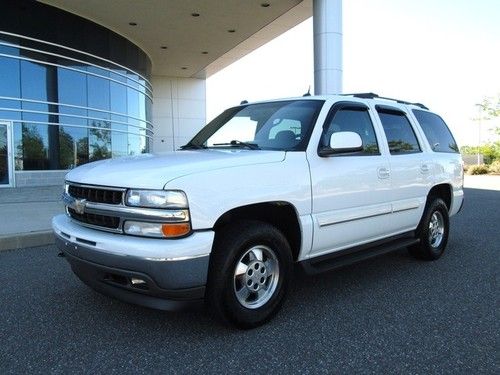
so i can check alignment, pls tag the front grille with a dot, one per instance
(111, 222)
(95, 195)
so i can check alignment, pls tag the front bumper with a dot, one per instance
(174, 271)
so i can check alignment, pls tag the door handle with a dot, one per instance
(383, 172)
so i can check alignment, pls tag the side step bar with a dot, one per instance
(356, 254)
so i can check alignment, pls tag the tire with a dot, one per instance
(249, 274)
(432, 231)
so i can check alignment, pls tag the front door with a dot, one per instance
(6, 173)
(351, 192)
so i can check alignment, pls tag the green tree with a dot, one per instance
(490, 109)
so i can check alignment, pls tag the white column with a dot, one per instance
(179, 106)
(327, 26)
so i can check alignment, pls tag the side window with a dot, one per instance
(352, 120)
(436, 131)
(399, 132)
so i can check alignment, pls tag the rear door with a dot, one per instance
(411, 175)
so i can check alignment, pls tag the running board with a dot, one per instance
(356, 254)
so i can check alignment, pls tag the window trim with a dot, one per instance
(398, 112)
(331, 113)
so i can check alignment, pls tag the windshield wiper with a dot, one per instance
(192, 146)
(251, 146)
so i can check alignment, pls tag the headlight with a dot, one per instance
(156, 198)
(159, 230)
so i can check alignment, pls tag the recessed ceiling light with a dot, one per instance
(163, 47)
(265, 5)
(132, 23)
(205, 53)
(195, 14)
(231, 31)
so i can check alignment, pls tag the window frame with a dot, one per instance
(380, 108)
(343, 105)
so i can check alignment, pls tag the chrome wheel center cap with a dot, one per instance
(255, 276)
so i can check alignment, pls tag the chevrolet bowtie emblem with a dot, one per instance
(80, 206)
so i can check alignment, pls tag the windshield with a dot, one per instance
(283, 125)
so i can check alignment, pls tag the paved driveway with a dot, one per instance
(391, 314)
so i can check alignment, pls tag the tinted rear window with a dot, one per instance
(399, 132)
(436, 131)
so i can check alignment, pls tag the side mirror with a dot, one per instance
(342, 142)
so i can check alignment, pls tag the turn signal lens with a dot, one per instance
(175, 230)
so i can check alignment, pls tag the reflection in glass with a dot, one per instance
(118, 96)
(4, 156)
(133, 103)
(99, 137)
(34, 146)
(71, 87)
(74, 145)
(33, 80)
(9, 77)
(98, 93)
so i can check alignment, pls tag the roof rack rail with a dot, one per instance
(371, 95)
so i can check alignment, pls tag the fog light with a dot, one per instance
(158, 230)
(137, 228)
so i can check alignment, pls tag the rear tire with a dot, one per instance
(250, 272)
(432, 231)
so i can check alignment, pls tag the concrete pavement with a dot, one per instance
(487, 182)
(25, 215)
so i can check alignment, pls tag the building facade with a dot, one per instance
(71, 92)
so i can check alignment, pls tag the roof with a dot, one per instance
(361, 97)
(199, 37)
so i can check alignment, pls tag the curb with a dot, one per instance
(30, 239)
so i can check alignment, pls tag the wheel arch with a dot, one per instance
(281, 214)
(443, 191)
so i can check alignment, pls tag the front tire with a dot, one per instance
(432, 231)
(250, 272)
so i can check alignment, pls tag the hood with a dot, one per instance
(150, 171)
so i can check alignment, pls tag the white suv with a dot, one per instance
(319, 181)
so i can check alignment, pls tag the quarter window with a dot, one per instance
(352, 119)
(436, 131)
(399, 132)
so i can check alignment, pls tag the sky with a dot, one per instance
(443, 53)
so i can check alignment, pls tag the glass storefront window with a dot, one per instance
(99, 136)
(65, 112)
(34, 147)
(98, 92)
(71, 87)
(74, 146)
(118, 98)
(33, 81)
(9, 77)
